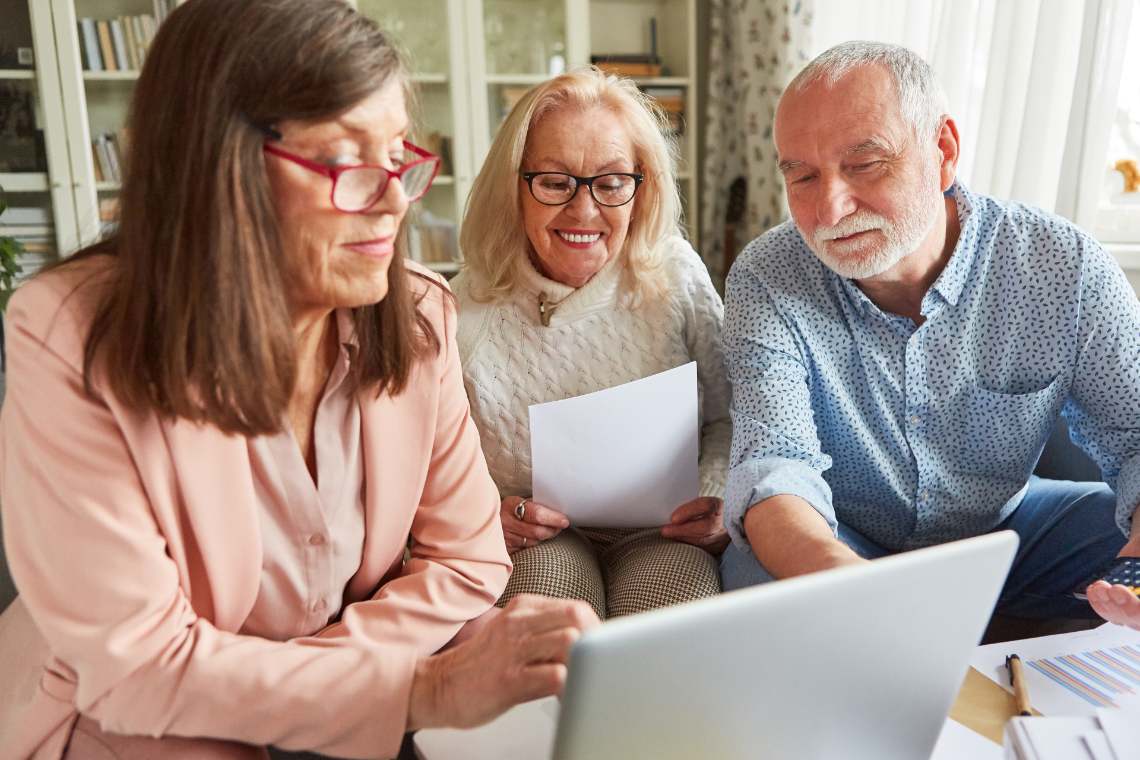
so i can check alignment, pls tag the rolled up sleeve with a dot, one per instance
(775, 446)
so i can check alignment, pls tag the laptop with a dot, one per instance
(858, 662)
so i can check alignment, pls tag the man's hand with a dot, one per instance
(1117, 604)
(699, 522)
(516, 656)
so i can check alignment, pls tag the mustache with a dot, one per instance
(860, 221)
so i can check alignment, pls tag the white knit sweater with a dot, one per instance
(511, 360)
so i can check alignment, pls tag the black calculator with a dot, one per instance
(1124, 571)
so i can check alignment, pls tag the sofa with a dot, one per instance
(1060, 460)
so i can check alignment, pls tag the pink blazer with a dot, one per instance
(134, 543)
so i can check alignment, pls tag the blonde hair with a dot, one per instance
(492, 237)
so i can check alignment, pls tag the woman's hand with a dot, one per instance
(699, 522)
(1117, 604)
(529, 525)
(519, 655)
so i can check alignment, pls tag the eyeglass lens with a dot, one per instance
(360, 188)
(607, 189)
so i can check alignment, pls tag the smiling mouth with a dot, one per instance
(580, 238)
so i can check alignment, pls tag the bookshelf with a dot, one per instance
(505, 47)
(35, 172)
(469, 59)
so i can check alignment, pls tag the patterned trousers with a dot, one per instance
(618, 571)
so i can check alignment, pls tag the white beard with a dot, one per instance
(862, 259)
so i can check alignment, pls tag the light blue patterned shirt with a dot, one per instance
(916, 436)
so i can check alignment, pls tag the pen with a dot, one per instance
(1017, 681)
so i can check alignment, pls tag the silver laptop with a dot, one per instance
(860, 662)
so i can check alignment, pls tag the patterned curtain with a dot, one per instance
(755, 48)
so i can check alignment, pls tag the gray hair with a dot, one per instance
(920, 96)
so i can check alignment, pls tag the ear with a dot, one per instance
(948, 145)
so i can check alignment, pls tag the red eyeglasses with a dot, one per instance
(356, 189)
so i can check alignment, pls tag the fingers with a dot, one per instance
(543, 680)
(539, 514)
(538, 522)
(541, 613)
(533, 514)
(1116, 604)
(693, 530)
(698, 508)
(534, 533)
(552, 646)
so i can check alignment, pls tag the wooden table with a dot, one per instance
(983, 706)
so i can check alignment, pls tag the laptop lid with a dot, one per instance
(859, 662)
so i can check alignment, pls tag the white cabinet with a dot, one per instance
(471, 59)
(75, 105)
(669, 28)
(35, 170)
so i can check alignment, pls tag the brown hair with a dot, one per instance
(195, 322)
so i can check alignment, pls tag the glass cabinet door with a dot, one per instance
(524, 42)
(101, 45)
(34, 172)
(429, 32)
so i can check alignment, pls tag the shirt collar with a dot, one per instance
(953, 279)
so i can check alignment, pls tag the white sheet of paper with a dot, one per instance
(1122, 730)
(1046, 695)
(623, 457)
(1061, 738)
(956, 742)
(524, 732)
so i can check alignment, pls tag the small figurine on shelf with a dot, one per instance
(1127, 168)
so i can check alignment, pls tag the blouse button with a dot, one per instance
(317, 539)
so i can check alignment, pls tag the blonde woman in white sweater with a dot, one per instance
(577, 280)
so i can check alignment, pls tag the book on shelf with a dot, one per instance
(89, 36)
(121, 48)
(106, 46)
(108, 150)
(671, 100)
(21, 231)
(120, 45)
(131, 42)
(630, 69)
(629, 64)
(109, 209)
(26, 215)
(96, 163)
(163, 8)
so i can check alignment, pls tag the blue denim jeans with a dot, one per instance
(1067, 530)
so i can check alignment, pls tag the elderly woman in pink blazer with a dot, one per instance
(243, 498)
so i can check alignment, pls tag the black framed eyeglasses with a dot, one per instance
(559, 188)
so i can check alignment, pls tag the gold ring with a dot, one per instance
(524, 541)
(520, 510)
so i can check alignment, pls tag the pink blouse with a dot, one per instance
(312, 534)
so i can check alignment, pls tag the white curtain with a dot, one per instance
(1010, 71)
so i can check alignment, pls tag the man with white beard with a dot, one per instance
(900, 350)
